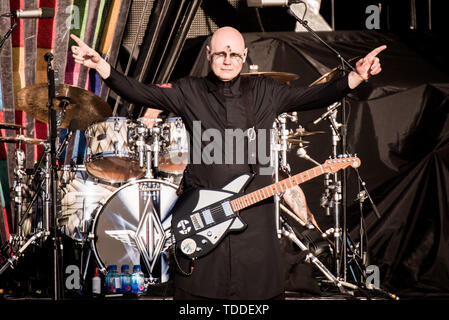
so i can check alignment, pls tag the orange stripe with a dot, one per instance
(111, 23)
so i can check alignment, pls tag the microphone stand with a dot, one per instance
(8, 33)
(339, 184)
(52, 135)
(340, 187)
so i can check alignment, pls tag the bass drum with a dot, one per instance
(133, 227)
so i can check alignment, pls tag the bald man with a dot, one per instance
(246, 264)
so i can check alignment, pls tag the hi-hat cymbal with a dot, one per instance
(331, 75)
(12, 126)
(82, 105)
(22, 139)
(284, 77)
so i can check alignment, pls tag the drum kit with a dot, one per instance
(117, 203)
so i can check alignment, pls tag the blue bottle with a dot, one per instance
(137, 280)
(114, 281)
(107, 279)
(126, 279)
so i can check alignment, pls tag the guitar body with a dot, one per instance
(202, 217)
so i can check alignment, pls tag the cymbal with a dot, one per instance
(82, 105)
(331, 75)
(4, 125)
(284, 77)
(22, 139)
(301, 132)
(297, 141)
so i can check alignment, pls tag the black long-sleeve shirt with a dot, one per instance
(246, 265)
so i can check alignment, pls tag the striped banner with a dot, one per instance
(100, 23)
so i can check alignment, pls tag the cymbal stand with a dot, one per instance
(289, 233)
(279, 148)
(52, 195)
(44, 232)
(18, 191)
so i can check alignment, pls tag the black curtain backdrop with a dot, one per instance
(397, 125)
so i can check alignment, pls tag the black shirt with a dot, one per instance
(246, 265)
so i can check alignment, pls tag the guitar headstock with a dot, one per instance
(341, 162)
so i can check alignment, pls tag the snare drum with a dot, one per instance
(133, 227)
(111, 153)
(81, 195)
(174, 156)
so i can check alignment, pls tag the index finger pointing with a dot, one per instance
(376, 51)
(77, 40)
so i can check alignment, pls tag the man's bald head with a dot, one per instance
(226, 53)
(227, 36)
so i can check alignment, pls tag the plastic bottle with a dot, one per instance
(96, 282)
(114, 283)
(137, 280)
(126, 279)
(107, 279)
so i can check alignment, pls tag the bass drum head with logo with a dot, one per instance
(133, 227)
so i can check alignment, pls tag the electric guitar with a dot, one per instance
(202, 217)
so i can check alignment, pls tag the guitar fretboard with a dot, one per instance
(278, 187)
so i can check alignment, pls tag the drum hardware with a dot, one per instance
(289, 233)
(19, 253)
(279, 148)
(73, 126)
(18, 186)
(155, 146)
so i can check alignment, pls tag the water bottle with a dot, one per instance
(114, 281)
(126, 279)
(137, 280)
(107, 278)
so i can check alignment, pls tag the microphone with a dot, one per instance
(40, 13)
(328, 112)
(73, 126)
(271, 3)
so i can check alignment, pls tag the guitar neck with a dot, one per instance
(278, 187)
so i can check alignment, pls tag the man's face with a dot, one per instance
(226, 55)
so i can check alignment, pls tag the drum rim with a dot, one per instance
(92, 233)
(110, 154)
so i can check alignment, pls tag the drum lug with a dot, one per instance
(116, 125)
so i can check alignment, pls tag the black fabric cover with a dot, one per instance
(397, 125)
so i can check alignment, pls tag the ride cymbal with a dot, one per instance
(284, 77)
(80, 104)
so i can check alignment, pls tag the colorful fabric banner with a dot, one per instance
(94, 21)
